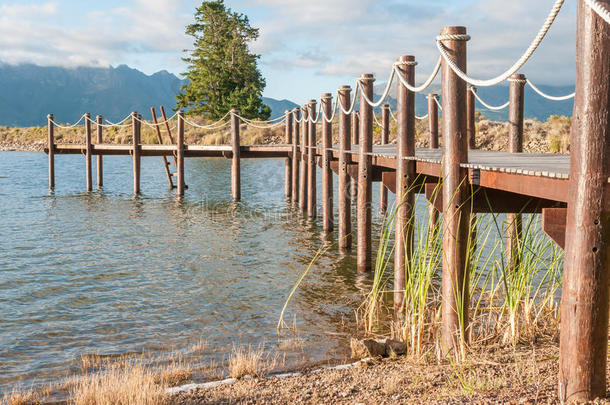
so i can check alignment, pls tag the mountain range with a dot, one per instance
(30, 92)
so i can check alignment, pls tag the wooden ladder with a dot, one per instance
(166, 162)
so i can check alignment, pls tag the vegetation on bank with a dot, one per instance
(539, 137)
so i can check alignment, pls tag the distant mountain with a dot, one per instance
(30, 92)
(535, 106)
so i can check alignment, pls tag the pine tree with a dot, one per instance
(222, 72)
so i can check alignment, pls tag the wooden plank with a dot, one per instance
(554, 224)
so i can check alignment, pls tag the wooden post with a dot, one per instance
(584, 299)
(51, 142)
(295, 156)
(405, 174)
(515, 145)
(327, 174)
(433, 129)
(88, 150)
(471, 127)
(311, 162)
(135, 152)
(100, 164)
(180, 182)
(288, 164)
(456, 213)
(355, 141)
(365, 166)
(344, 179)
(304, 154)
(235, 162)
(385, 139)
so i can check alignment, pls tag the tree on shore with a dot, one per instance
(222, 72)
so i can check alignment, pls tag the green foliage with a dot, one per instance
(222, 72)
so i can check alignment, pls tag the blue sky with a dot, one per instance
(306, 48)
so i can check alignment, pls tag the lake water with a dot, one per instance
(106, 273)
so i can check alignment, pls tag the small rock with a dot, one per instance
(394, 348)
(366, 348)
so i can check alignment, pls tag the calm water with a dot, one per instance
(106, 273)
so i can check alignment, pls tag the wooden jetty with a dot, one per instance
(571, 192)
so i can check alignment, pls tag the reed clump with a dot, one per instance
(248, 361)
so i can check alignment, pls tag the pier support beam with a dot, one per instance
(136, 156)
(515, 145)
(471, 126)
(456, 213)
(288, 164)
(180, 157)
(88, 150)
(311, 162)
(365, 175)
(355, 141)
(344, 180)
(295, 156)
(236, 161)
(584, 299)
(385, 139)
(98, 160)
(405, 174)
(51, 142)
(433, 142)
(327, 174)
(304, 154)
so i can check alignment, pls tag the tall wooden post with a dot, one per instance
(51, 142)
(311, 162)
(327, 174)
(235, 162)
(344, 180)
(135, 152)
(88, 150)
(304, 154)
(100, 163)
(355, 141)
(456, 213)
(295, 156)
(515, 145)
(471, 128)
(288, 164)
(584, 299)
(365, 166)
(433, 129)
(385, 139)
(405, 174)
(180, 155)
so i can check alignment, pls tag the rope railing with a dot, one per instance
(601, 11)
(425, 85)
(69, 126)
(488, 106)
(549, 97)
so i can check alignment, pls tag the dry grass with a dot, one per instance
(249, 361)
(18, 397)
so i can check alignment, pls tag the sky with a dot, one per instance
(307, 48)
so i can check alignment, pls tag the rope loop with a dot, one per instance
(453, 37)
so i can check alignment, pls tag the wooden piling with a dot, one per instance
(515, 145)
(288, 164)
(584, 299)
(456, 213)
(88, 150)
(135, 152)
(471, 128)
(344, 179)
(327, 174)
(304, 154)
(355, 141)
(235, 161)
(385, 139)
(405, 174)
(51, 142)
(99, 162)
(433, 142)
(295, 156)
(311, 162)
(365, 166)
(180, 182)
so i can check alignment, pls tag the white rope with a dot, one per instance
(554, 98)
(215, 125)
(425, 85)
(353, 104)
(513, 69)
(332, 117)
(393, 116)
(118, 124)
(599, 9)
(422, 117)
(379, 124)
(280, 118)
(68, 126)
(251, 123)
(311, 120)
(438, 103)
(384, 95)
(489, 107)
